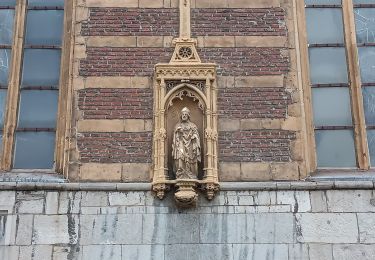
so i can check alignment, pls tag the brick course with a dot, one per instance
(116, 103)
(242, 103)
(104, 61)
(115, 147)
(164, 21)
(255, 146)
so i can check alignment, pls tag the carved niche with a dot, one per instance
(185, 82)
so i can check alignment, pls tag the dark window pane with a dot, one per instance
(367, 64)
(41, 67)
(34, 150)
(335, 148)
(324, 25)
(3, 99)
(328, 65)
(6, 26)
(44, 27)
(5, 55)
(38, 109)
(7, 2)
(365, 24)
(371, 146)
(322, 2)
(33, 3)
(369, 104)
(331, 107)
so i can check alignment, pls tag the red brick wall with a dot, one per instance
(115, 103)
(140, 61)
(115, 147)
(148, 21)
(242, 103)
(255, 146)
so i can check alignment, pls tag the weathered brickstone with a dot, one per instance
(115, 103)
(243, 103)
(115, 147)
(106, 61)
(212, 21)
(255, 146)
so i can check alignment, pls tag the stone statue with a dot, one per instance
(186, 149)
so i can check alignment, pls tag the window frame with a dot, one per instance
(64, 112)
(355, 91)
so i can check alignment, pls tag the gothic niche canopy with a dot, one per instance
(185, 116)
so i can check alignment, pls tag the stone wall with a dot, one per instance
(117, 44)
(110, 221)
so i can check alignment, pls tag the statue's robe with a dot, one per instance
(186, 150)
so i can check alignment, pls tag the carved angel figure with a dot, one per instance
(186, 149)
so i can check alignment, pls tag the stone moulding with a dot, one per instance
(185, 69)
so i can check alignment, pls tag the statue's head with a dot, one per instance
(185, 114)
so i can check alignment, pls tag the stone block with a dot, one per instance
(9, 252)
(255, 171)
(136, 172)
(69, 202)
(8, 226)
(112, 3)
(274, 228)
(354, 251)
(100, 172)
(143, 252)
(101, 252)
(284, 171)
(366, 226)
(52, 202)
(259, 81)
(126, 199)
(223, 41)
(320, 251)
(24, 229)
(229, 171)
(150, 41)
(55, 229)
(91, 198)
(134, 125)
(35, 252)
(350, 201)
(211, 4)
(100, 126)
(112, 41)
(7, 200)
(113, 229)
(299, 200)
(151, 3)
(271, 251)
(292, 124)
(253, 3)
(326, 228)
(318, 201)
(229, 124)
(298, 251)
(31, 202)
(157, 228)
(140, 82)
(260, 41)
(265, 198)
(108, 82)
(227, 228)
(67, 253)
(198, 251)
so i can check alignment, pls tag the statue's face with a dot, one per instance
(185, 116)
